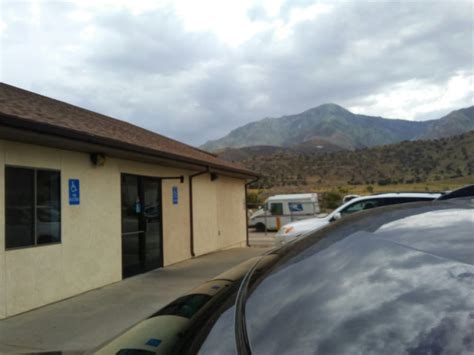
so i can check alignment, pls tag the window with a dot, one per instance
(393, 201)
(186, 306)
(361, 205)
(32, 207)
(295, 206)
(276, 209)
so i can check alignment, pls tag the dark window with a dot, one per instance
(394, 201)
(361, 205)
(186, 306)
(32, 207)
(276, 209)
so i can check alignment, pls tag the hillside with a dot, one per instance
(457, 122)
(314, 146)
(335, 126)
(402, 163)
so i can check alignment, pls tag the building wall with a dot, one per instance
(231, 212)
(89, 255)
(224, 198)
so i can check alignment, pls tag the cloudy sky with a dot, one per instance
(194, 70)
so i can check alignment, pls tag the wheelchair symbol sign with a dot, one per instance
(74, 192)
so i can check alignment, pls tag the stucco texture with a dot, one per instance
(223, 198)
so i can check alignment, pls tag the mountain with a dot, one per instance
(456, 122)
(313, 146)
(333, 125)
(401, 163)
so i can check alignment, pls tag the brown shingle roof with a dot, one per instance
(40, 111)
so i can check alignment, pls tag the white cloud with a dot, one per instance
(414, 98)
(193, 70)
(298, 15)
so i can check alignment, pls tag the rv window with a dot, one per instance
(276, 209)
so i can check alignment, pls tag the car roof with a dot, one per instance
(416, 195)
(406, 194)
(421, 195)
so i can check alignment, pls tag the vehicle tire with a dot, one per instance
(260, 227)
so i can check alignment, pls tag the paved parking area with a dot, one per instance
(86, 321)
(261, 239)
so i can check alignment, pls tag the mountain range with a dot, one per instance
(330, 127)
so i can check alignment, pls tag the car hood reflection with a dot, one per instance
(392, 281)
(364, 296)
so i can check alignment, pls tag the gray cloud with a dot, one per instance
(148, 69)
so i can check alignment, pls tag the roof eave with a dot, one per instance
(19, 123)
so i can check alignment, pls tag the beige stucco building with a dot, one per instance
(87, 200)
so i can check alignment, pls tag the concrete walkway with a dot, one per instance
(261, 239)
(86, 321)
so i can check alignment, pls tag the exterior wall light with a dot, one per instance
(98, 159)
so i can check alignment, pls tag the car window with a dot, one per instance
(186, 306)
(360, 206)
(276, 209)
(393, 201)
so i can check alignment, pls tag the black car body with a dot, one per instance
(394, 280)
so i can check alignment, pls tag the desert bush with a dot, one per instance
(331, 200)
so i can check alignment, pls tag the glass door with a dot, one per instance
(152, 216)
(141, 224)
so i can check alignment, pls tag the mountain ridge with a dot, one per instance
(340, 127)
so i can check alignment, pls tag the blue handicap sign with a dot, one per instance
(175, 195)
(74, 192)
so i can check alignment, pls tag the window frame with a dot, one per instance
(276, 204)
(35, 204)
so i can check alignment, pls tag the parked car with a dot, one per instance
(347, 198)
(282, 209)
(294, 230)
(392, 280)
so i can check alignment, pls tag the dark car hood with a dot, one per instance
(395, 280)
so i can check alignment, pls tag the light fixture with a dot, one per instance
(98, 159)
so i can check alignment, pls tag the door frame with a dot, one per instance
(142, 222)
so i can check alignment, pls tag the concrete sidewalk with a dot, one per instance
(261, 239)
(86, 321)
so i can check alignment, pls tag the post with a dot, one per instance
(265, 219)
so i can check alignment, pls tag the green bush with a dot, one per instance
(331, 200)
(253, 199)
